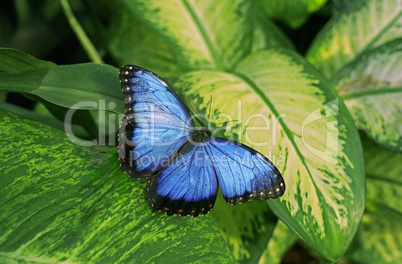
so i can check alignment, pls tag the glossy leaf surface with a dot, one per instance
(379, 237)
(65, 203)
(363, 25)
(278, 99)
(372, 89)
(194, 29)
(83, 86)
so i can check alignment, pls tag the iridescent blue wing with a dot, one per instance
(243, 173)
(188, 186)
(155, 125)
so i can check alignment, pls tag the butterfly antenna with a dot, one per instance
(210, 107)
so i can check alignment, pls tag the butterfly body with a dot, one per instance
(196, 137)
(184, 165)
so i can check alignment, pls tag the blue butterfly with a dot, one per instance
(184, 165)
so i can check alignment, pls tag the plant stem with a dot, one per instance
(80, 33)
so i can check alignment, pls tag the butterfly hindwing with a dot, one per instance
(243, 173)
(188, 186)
(155, 125)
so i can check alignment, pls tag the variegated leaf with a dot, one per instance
(292, 12)
(63, 203)
(246, 228)
(268, 35)
(362, 25)
(371, 86)
(202, 34)
(379, 237)
(132, 42)
(281, 240)
(291, 114)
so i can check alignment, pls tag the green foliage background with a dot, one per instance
(329, 69)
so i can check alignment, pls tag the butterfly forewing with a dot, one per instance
(155, 125)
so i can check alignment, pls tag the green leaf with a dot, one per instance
(83, 86)
(13, 61)
(379, 237)
(139, 45)
(253, 232)
(371, 86)
(79, 117)
(44, 118)
(378, 240)
(268, 35)
(64, 203)
(363, 25)
(292, 12)
(281, 240)
(247, 228)
(202, 34)
(384, 183)
(288, 112)
(17, 65)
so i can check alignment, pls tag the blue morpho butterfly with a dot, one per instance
(159, 141)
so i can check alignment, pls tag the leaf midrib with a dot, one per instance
(288, 133)
(208, 41)
(373, 92)
(280, 120)
(382, 32)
